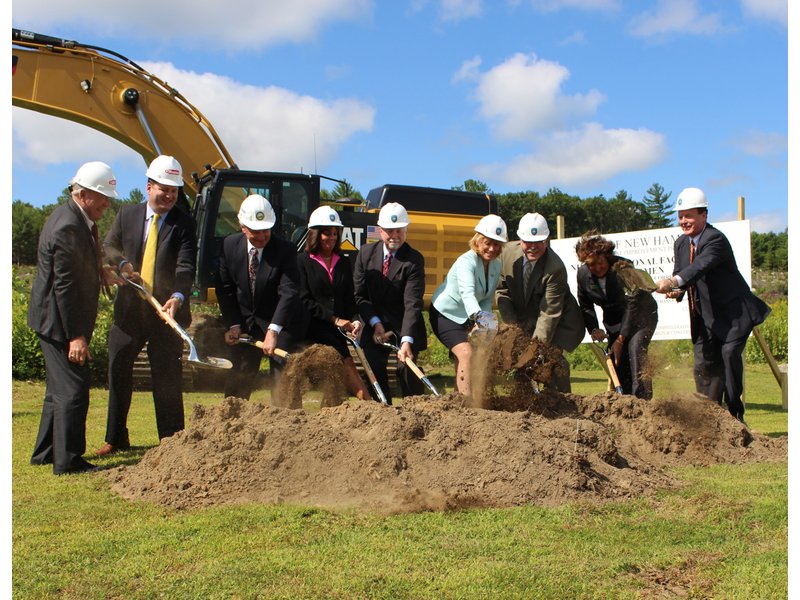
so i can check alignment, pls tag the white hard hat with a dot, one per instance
(691, 197)
(324, 216)
(166, 171)
(96, 176)
(256, 213)
(493, 227)
(393, 216)
(533, 228)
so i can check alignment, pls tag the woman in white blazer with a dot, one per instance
(463, 301)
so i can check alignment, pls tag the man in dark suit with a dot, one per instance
(534, 294)
(63, 310)
(389, 282)
(257, 291)
(722, 309)
(153, 243)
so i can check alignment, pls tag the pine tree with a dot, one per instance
(655, 203)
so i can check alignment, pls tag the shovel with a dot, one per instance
(608, 365)
(194, 356)
(370, 375)
(411, 365)
(246, 339)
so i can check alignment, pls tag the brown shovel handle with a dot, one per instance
(279, 352)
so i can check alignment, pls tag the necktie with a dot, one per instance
(386, 262)
(148, 271)
(526, 278)
(252, 270)
(99, 257)
(692, 299)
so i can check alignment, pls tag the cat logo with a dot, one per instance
(352, 238)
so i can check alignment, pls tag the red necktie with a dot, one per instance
(386, 262)
(692, 300)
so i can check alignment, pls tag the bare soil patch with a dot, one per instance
(500, 448)
(438, 454)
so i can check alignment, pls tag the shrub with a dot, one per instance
(776, 333)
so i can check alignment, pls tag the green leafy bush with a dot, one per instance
(776, 333)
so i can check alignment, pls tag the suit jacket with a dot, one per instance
(63, 302)
(397, 299)
(466, 289)
(276, 291)
(727, 306)
(323, 298)
(550, 312)
(622, 313)
(175, 261)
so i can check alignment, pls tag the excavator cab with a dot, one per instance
(293, 196)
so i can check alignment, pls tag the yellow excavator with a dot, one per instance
(108, 92)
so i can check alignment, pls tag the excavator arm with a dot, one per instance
(110, 93)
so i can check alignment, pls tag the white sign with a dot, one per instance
(652, 250)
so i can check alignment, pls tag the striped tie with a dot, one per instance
(386, 262)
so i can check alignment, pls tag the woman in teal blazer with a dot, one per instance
(464, 300)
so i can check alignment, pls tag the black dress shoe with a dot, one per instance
(80, 466)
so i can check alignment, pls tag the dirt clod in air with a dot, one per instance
(318, 367)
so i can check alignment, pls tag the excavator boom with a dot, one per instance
(110, 93)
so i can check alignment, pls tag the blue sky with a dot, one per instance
(590, 96)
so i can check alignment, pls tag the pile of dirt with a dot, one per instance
(438, 454)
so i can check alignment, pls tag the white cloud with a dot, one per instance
(578, 38)
(264, 128)
(39, 140)
(458, 10)
(555, 5)
(769, 221)
(762, 143)
(468, 71)
(675, 16)
(768, 10)
(523, 95)
(248, 24)
(581, 157)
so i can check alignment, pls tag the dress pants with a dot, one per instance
(164, 351)
(378, 357)
(719, 367)
(632, 370)
(246, 361)
(62, 429)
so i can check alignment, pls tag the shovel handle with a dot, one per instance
(613, 372)
(279, 352)
(412, 365)
(165, 316)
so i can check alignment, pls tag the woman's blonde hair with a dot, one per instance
(473, 243)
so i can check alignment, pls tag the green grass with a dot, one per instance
(724, 534)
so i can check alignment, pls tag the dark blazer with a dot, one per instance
(276, 296)
(396, 300)
(175, 260)
(323, 298)
(63, 302)
(550, 313)
(622, 313)
(728, 307)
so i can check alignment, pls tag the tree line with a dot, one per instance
(605, 215)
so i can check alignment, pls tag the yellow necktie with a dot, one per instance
(148, 271)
